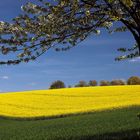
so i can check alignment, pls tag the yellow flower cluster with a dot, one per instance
(67, 101)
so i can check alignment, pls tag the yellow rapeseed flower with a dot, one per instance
(67, 101)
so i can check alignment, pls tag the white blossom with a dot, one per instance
(2, 23)
(98, 32)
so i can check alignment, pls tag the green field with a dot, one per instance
(119, 124)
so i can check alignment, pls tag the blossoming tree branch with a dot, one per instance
(45, 25)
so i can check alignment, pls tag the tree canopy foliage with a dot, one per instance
(134, 80)
(81, 83)
(49, 24)
(57, 84)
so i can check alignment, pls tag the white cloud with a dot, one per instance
(137, 59)
(32, 84)
(5, 77)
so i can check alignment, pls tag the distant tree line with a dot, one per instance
(134, 80)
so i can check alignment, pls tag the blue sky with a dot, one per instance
(92, 59)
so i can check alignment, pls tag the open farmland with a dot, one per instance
(103, 113)
(55, 103)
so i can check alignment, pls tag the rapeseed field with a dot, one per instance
(48, 103)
